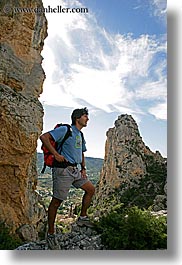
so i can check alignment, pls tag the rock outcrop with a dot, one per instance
(79, 238)
(21, 78)
(132, 174)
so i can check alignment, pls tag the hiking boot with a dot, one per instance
(53, 242)
(84, 221)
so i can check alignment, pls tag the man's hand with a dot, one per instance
(60, 158)
(83, 173)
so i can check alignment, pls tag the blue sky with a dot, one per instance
(112, 60)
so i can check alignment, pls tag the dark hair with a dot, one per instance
(77, 113)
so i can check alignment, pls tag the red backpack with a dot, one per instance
(48, 157)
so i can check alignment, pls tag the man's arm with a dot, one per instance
(83, 168)
(45, 138)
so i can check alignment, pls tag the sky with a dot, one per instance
(113, 60)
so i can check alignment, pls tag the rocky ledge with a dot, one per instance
(80, 238)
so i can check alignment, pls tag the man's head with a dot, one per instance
(77, 114)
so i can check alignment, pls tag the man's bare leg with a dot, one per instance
(52, 211)
(87, 197)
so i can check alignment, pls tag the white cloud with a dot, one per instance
(159, 111)
(153, 90)
(84, 63)
(160, 9)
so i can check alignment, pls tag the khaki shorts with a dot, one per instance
(63, 178)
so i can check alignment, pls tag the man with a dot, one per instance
(70, 155)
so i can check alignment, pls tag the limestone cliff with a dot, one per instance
(21, 79)
(132, 174)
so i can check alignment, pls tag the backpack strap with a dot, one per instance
(43, 169)
(67, 134)
(82, 135)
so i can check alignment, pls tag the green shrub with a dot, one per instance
(8, 240)
(133, 229)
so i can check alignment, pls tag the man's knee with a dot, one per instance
(92, 190)
(89, 188)
(55, 202)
